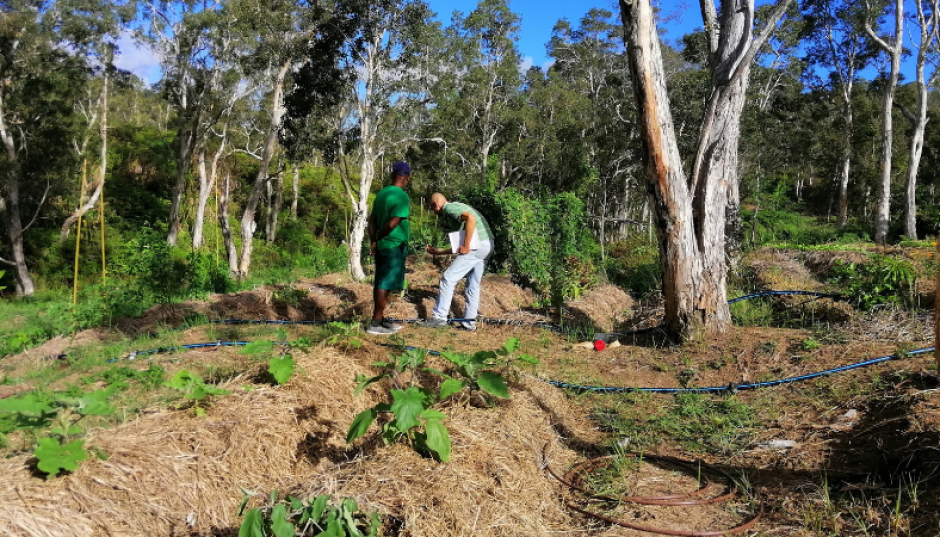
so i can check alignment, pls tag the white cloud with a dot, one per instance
(138, 59)
(526, 64)
(548, 65)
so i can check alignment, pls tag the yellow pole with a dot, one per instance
(78, 236)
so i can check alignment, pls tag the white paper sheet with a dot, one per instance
(457, 238)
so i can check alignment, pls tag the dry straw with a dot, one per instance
(172, 473)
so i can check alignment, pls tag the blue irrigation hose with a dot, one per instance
(783, 293)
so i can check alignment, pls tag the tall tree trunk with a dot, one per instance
(296, 191)
(251, 205)
(204, 190)
(893, 49)
(682, 268)
(360, 216)
(182, 168)
(230, 249)
(843, 219)
(103, 155)
(691, 213)
(928, 35)
(275, 202)
(10, 209)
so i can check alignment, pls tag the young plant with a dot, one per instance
(61, 414)
(411, 408)
(281, 365)
(289, 517)
(193, 387)
(486, 370)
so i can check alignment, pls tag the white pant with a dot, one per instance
(471, 266)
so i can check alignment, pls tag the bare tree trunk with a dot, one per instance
(887, 129)
(928, 35)
(251, 205)
(275, 202)
(691, 213)
(296, 191)
(10, 209)
(230, 249)
(96, 195)
(204, 190)
(846, 164)
(663, 169)
(182, 168)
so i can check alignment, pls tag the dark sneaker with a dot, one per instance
(379, 330)
(431, 323)
(392, 326)
(467, 326)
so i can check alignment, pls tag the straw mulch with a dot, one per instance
(603, 308)
(781, 271)
(172, 473)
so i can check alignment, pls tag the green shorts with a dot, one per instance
(390, 268)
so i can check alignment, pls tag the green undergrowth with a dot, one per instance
(699, 423)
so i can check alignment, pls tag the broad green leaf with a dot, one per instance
(450, 387)
(54, 456)
(97, 408)
(279, 524)
(29, 405)
(365, 382)
(483, 357)
(253, 524)
(360, 424)
(528, 359)
(242, 505)
(355, 343)
(438, 439)
(257, 347)
(183, 379)
(281, 368)
(455, 358)
(432, 414)
(63, 431)
(295, 503)
(351, 528)
(512, 345)
(319, 505)
(493, 384)
(406, 406)
(374, 527)
(281, 334)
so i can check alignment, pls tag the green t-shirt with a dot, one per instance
(453, 210)
(390, 202)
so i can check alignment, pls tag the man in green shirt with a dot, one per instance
(470, 261)
(389, 233)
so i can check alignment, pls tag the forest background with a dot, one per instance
(253, 157)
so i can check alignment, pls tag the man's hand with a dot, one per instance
(436, 251)
(372, 248)
(464, 249)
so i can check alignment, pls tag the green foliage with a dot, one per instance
(2, 272)
(883, 280)
(317, 516)
(194, 388)
(55, 456)
(701, 423)
(150, 378)
(483, 371)
(281, 368)
(633, 263)
(544, 242)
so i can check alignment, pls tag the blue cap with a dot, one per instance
(401, 168)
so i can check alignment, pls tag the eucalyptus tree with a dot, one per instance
(926, 22)
(591, 60)
(836, 51)
(478, 95)
(100, 30)
(389, 55)
(43, 70)
(691, 212)
(180, 33)
(892, 44)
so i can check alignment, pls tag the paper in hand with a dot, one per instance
(457, 238)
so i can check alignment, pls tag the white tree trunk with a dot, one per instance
(296, 191)
(251, 205)
(230, 249)
(883, 214)
(99, 188)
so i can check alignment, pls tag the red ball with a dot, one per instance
(599, 345)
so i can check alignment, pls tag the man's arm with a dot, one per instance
(389, 226)
(370, 229)
(471, 221)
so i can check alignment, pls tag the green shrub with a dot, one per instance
(883, 280)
